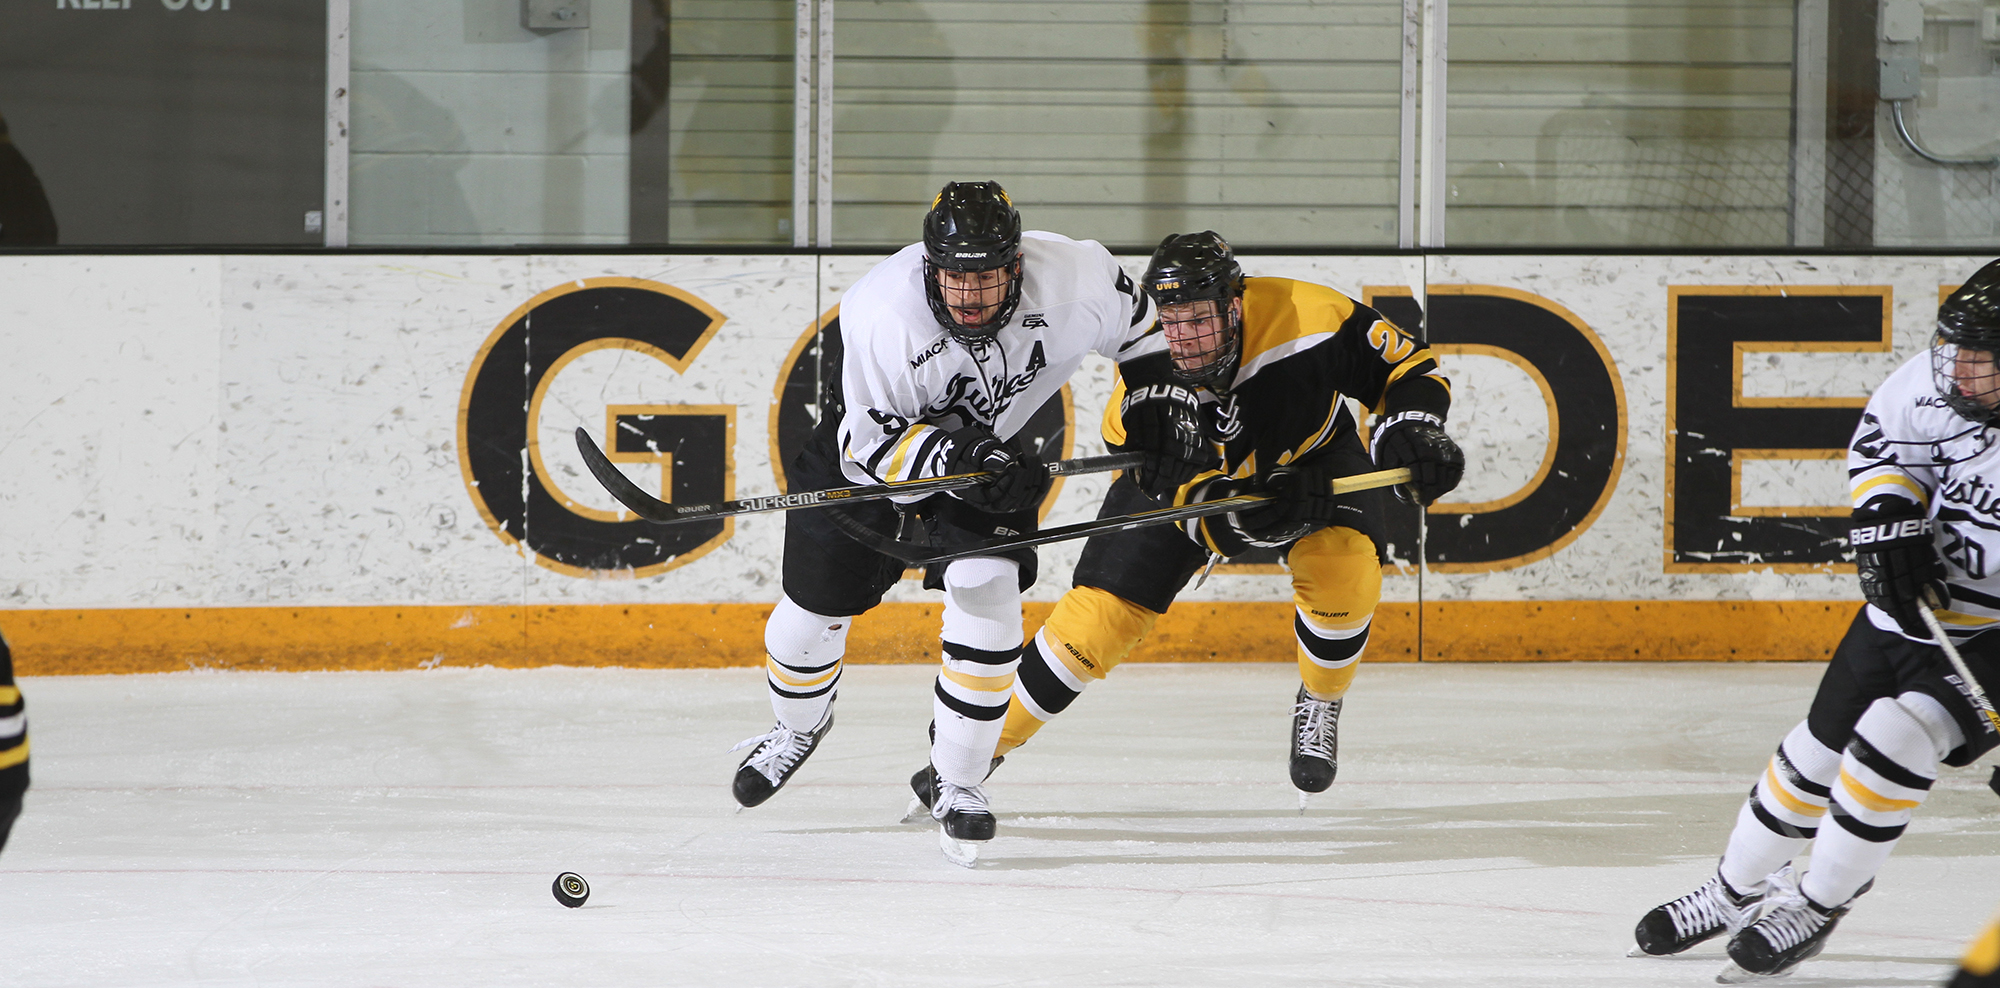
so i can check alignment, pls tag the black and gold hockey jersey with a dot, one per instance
(1306, 348)
(13, 745)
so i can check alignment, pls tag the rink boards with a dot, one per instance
(363, 461)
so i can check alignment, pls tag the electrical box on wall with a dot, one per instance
(1902, 78)
(543, 15)
(1902, 20)
(1989, 24)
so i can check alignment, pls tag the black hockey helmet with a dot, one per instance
(972, 226)
(1969, 320)
(1199, 268)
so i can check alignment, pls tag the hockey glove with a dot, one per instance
(1417, 440)
(1261, 526)
(1301, 495)
(1020, 481)
(1163, 422)
(1895, 552)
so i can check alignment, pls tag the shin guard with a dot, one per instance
(1087, 635)
(1885, 774)
(982, 650)
(1784, 809)
(802, 662)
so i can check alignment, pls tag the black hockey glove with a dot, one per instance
(1301, 498)
(1163, 421)
(1417, 440)
(1021, 480)
(1895, 552)
(1260, 526)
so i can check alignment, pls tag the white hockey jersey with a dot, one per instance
(1909, 445)
(905, 382)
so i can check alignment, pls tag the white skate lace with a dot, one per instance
(782, 748)
(1790, 919)
(1316, 730)
(1708, 907)
(954, 797)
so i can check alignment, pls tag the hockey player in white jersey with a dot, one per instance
(950, 346)
(1924, 471)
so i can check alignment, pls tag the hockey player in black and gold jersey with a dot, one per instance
(13, 745)
(1980, 967)
(1246, 392)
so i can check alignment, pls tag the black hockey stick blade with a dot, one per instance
(659, 512)
(924, 555)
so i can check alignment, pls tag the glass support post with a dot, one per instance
(1436, 14)
(1406, 154)
(333, 207)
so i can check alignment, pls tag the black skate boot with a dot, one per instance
(1315, 742)
(924, 783)
(777, 755)
(1792, 930)
(1706, 912)
(964, 821)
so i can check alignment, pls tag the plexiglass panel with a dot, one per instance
(1620, 122)
(1120, 120)
(142, 122)
(469, 128)
(730, 123)
(1952, 112)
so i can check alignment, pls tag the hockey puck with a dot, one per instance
(570, 889)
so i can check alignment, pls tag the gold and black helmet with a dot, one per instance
(1200, 267)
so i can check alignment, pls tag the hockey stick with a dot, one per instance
(1972, 689)
(921, 555)
(660, 512)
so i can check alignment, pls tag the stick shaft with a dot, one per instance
(1964, 672)
(652, 509)
(1141, 519)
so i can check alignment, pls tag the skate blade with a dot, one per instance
(963, 853)
(1305, 798)
(1734, 975)
(915, 811)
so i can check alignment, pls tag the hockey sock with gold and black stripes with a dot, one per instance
(1088, 633)
(802, 663)
(13, 745)
(1885, 774)
(982, 650)
(1047, 685)
(1784, 809)
(1327, 656)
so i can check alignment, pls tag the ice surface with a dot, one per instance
(1492, 825)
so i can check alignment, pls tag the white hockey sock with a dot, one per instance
(1884, 776)
(982, 651)
(802, 663)
(1784, 809)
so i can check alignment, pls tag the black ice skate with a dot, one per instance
(924, 784)
(1706, 912)
(964, 821)
(777, 755)
(1792, 930)
(1315, 743)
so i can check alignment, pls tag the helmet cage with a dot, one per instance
(1209, 341)
(1193, 268)
(972, 226)
(985, 329)
(1964, 375)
